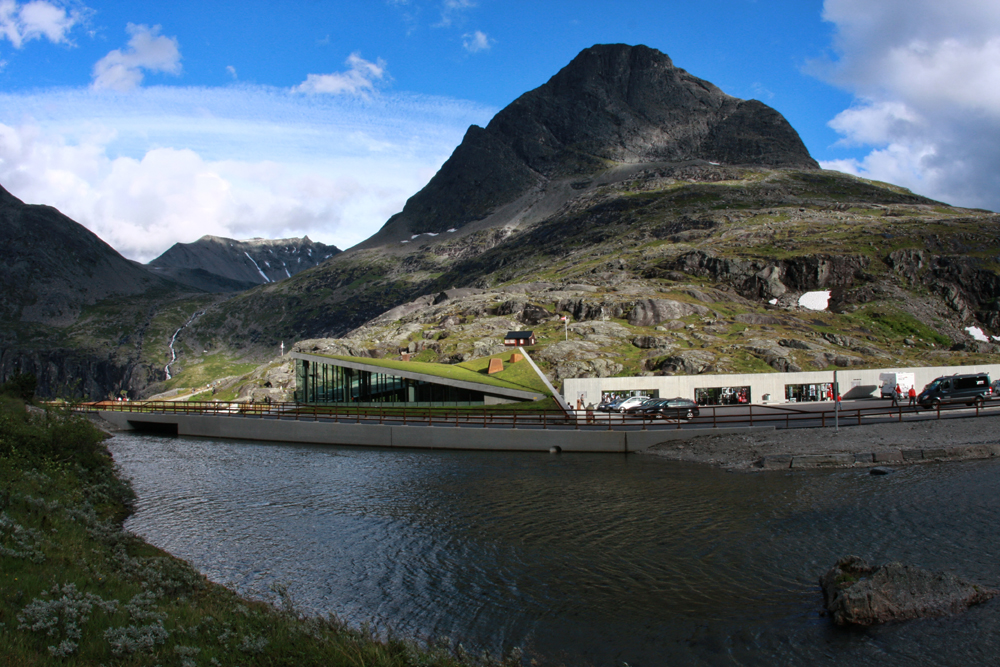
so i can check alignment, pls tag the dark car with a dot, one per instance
(611, 404)
(971, 389)
(649, 407)
(678, 408)
(631, 402)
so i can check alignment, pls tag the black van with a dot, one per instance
(968, 389)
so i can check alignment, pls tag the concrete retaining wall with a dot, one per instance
(414, 436)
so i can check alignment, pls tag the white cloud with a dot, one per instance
(451, 10)
(35, 20)
(477, 41)
(360, 79)
(170, 164)
(926, 77)
(122, 69)
(231, 71)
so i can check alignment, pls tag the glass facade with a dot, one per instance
(317, 382)
(804, 393)
(722, 395)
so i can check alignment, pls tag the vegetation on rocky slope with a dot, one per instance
(688, 270)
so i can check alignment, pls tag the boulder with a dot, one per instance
(487, 348)
(688, 362)
(856, 593)
(648, 312)
(597, 328)
(796, 344)
(594, 368)
(583, 309)
(756, 318)
(774, 356)
(653, 342)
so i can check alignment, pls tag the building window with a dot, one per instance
(321, 383)
(803, 393)
(722, 395)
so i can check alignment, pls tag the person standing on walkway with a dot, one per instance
(896, 393)
(913, 397)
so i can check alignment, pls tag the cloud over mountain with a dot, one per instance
(162, 165)
(926, 80)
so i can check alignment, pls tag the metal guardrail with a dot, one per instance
(777, 416)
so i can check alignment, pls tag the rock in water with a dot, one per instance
(858, 594)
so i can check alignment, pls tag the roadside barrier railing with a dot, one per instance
(762, 415)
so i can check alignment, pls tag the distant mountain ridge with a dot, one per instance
(217, 264)
(53, 267)
(613, 104)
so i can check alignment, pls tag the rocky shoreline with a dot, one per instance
(891, 444)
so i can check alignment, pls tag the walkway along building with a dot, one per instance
(767, 388)
(321, 379)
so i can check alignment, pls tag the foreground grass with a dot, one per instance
(76, 589)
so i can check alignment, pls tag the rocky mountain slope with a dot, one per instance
(53, 267)
(215, 264)
(613, 105)
(675, 225)
(74, 312)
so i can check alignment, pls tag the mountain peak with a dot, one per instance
(613, 104)
(219, 264)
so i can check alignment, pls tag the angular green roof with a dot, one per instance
(520, 377)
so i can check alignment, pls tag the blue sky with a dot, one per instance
(153, 123)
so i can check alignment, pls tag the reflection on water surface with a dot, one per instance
(582, 559)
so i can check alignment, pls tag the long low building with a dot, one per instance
(768, 388)
(332, 379)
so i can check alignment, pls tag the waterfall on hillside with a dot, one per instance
(173, 352)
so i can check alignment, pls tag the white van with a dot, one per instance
(891, 380)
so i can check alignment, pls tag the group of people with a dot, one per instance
(897, 396)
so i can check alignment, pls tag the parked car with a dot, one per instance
(678, 408)
(650, 406)
(971, 389)
(610, 404)
(629, 402)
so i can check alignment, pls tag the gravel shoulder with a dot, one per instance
(745, 451)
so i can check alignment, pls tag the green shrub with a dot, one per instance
(21, 386)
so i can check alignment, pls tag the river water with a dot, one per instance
(578, 559)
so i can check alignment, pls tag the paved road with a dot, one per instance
(795, 415)
(802, 415)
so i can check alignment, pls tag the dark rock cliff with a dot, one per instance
(765, 279)
(76, 374)
(613, 103)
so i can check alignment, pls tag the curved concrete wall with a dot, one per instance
(416, 437)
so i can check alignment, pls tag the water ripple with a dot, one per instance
(581, 559)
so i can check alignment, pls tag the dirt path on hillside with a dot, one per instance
(744, 450)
